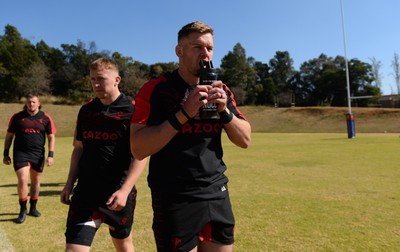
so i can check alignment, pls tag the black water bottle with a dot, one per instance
(208, 74)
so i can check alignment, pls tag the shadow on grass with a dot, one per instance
(11, 217)
(41, 185)
(43, 189)
(8, 217)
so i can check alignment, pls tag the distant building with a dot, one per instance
(389, 101)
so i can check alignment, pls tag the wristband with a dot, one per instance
(175, 123)
(185, 114)
(225, 116)
(6, 152)
(51, 154)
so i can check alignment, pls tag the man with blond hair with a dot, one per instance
(102, 165)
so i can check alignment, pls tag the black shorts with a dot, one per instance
(37, 166)
(84, 220)
(180, 224)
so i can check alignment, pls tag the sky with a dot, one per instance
(147, 30)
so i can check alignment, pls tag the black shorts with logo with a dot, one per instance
(84, 220)
(181, 223)
(37, 165)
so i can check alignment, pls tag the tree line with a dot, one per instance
(64, 73)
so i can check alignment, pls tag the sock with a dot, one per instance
(22, 203)
(33, 202)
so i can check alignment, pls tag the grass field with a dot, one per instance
(290, 192)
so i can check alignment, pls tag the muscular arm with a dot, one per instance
(147, 140)
(118, 199)
(239, 132)
(7, 146)
(52, 143)
(8, 140)
(73, 172)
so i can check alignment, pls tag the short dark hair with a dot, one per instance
(29, 96)
(196, 26)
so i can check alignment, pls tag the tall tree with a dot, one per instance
(323, 80)
(281, 71)
(376, 72)
(264, 88)
(396, 71)
(134, 74)
(37, 79)
(237, 73)
(55, 60)
(73, 78)
(159, 68)
(301, 91)
(16, 55)
(52, 57)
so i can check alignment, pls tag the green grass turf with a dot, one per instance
(290, 192)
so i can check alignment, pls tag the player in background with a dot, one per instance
(29, 127)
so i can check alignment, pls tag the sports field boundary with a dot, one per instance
(5, 245)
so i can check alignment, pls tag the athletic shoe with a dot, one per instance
(34, 212)
(21, 217)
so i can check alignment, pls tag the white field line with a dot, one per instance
(5, 245)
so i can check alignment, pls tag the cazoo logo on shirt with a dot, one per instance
(100, 135)
(31, 130)
(201, 127)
